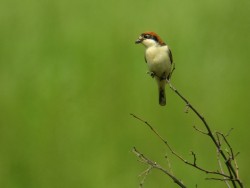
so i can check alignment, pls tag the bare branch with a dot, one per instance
(220, 179)
(231, 154)
(145, 160)
(176, 154)
(194, 157)
(145, 174)
(203, 132)
(232, 175)
(231, 149)
(229, 132)
(231, 169)
(236, 165)
(158, 135)
(169, 164)
(221, 168)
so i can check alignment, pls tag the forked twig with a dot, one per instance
(153, 164)
(145, 174)
(193, 164)
(233, 176)
(233, 173)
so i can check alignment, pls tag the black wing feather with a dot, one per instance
(170, 56)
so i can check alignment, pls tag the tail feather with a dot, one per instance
(162, 96)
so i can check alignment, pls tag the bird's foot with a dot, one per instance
(152, 74)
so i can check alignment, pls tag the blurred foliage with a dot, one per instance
(70, 74)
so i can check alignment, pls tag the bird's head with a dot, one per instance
(149, 39)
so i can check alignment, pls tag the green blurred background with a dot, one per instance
(70, 74)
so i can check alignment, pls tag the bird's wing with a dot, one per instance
(172, 63)
(170, 56)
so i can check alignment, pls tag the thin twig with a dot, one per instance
(219, 161)
(176, 154)
(169, 164)
(203, 132)
(194, 157)
(145, 174)
(220, 179)
(232, 156)
(145, 160)
(229, 132)
(231, 170)
(221, 168)
(231, 149)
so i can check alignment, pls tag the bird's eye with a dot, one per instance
(146, 36)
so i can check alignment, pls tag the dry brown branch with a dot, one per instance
(232, 171)
(227, 156)
(193, 164)
(153, 164)
(232, 156)
(203, 132)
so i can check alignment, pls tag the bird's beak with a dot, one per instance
(139, 40)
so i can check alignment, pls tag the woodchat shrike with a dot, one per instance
(159, 60)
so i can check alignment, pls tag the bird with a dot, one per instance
(159, 59)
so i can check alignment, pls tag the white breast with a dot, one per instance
(158, 60)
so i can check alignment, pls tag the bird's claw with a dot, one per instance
(152, 74)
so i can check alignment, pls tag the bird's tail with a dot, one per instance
(162, 94)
